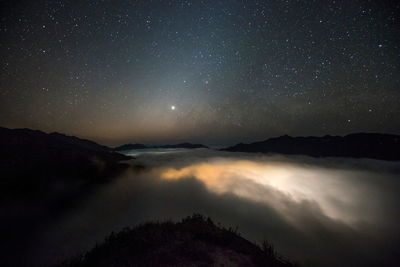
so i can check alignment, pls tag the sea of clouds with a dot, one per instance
(318, 212)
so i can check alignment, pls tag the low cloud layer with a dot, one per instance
(319, 212)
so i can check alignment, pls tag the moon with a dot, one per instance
(172, 107)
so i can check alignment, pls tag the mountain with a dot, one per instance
(42, 177)
(195, 241)
(141, 146)
(183, 145)
(358, 145)
(83, 143)
(33, 162)
(130, 147)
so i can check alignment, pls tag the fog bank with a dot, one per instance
(319, 212)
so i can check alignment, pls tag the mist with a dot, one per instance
(318, 212)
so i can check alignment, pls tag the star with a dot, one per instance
(220, 57)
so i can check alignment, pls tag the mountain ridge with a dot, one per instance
(142, 146)
(49, 157)
(356, 145)
(43, 176)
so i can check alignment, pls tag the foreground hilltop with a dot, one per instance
(358, 145)
(195, 241)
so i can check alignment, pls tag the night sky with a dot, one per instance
(216, 72)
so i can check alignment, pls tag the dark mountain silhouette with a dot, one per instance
(41, 176)
(141, 146)
(83, 143)
(32, 161)
(183, 145)
(195, 241)
(130, 147)
(358, 145)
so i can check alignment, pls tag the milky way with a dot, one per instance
(216, 72)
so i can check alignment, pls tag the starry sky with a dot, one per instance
(209, 71)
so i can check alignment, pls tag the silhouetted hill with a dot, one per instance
(141, 146)
(196, 241)
(358, 145)
(183, 145)
(32, 161)
(83, 143)
(42, 176)
(130, 147)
